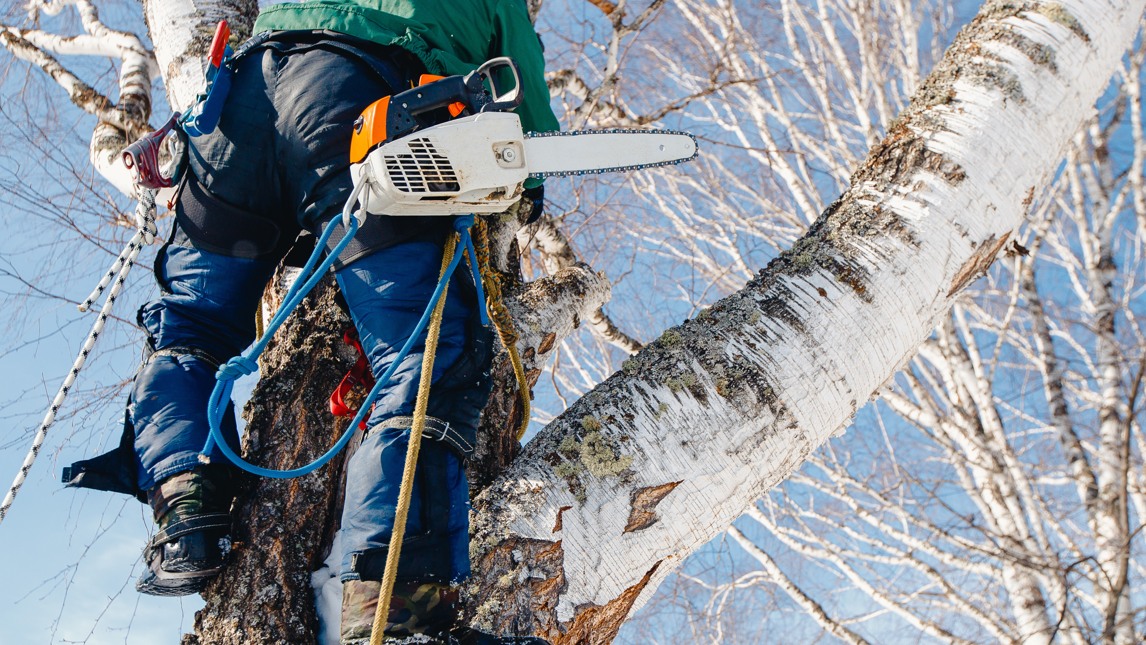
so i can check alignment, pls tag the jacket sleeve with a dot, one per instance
(514, 37)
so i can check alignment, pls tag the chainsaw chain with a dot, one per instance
(598, 171)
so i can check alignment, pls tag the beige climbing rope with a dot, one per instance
(381, 614)
(502, 321)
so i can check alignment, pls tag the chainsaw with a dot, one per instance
(451, 146)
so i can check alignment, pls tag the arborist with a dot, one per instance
(277, 165)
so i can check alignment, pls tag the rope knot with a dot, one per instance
(462, 223)
(236, 368)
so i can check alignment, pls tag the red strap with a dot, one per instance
(358, 375)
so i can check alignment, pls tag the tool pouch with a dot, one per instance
(113, 471)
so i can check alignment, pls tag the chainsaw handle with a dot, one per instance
(441, 93)
(393, 117)
(498, 101)
(469, 90)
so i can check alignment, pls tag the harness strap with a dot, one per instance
(187, 526)
(435, 429)
(180, 350)
(152, 553)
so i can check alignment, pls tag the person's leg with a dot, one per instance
(204, 315)
(387, 276)
(387, 292)
(227, 241)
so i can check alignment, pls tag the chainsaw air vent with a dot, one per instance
(422, 170)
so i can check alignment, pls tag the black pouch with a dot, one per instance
(113, 471)
(213, 225)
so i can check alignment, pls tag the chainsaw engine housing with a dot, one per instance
(473, 164)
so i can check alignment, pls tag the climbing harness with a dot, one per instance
(115, 276)
(142, 156)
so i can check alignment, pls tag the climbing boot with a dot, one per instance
(192, 512)
(420, 613)
(417, 610)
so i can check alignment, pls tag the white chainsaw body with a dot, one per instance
(478, 164)
(473, 164)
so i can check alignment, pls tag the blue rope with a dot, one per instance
(476, 269)
(246, 362)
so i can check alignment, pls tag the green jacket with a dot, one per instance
(450, 37)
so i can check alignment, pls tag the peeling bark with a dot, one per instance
(643, 503)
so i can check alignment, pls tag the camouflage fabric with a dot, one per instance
(190, 493)
(415, 609)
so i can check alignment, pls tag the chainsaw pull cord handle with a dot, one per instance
(245, 363)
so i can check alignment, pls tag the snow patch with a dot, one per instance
(328, 594)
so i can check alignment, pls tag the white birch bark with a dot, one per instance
(118, 124)
(657, 460)
(182, 31)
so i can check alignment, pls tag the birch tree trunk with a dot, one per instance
(182, 31)
(664, 455)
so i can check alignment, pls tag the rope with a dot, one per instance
(502, 322)
(246, 363)
(145, 219)
(413, 446)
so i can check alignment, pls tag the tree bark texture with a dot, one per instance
(284, 528)
(281, 526)
(662, 456)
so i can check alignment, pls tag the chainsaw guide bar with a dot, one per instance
(592, 152)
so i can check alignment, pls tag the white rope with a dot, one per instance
(145, 218)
